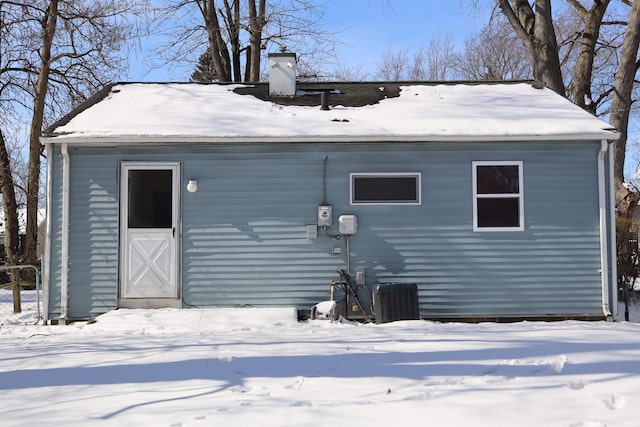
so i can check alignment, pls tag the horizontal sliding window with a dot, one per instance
(497, 196)
(385, 188)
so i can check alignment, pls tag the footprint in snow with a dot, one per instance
(517, 367)
(240, 389)
(588, 424)
(297, 384)
(616, 401)
(422, 396)
(447, 381)
(577, 385)
(301, 403)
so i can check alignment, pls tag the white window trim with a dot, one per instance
(416, 175)
(476, 196)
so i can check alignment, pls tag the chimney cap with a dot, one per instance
(282, 55)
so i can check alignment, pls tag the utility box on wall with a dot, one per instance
(348, 224)
(396, 301)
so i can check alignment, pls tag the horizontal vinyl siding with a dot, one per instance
(243, 231)
(246, 224)
(552, 267)
(93, 240)
(54, 162)
(93, 235)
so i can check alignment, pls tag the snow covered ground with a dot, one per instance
(260, 367)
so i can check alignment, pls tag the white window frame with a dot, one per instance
(476, 196)
(416, 175)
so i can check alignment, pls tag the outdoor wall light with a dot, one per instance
(192, 186)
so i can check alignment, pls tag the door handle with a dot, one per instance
(173, 232)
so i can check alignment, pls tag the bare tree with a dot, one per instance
(352, 73)
(11, 83)
(436, 61)
(257, 22)
(235, 34)
(10, 208)
(49, 24)
(9, 204)
(623, 87)
(217, 46)
(534, 26)
(56, 54)
(588, 40)
(440, 57)
(393, 64)
(580, 89)
(529, 22)
(418, 66)
(627, 235)
(495, 53)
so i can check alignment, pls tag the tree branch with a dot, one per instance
(579, 8)
(509, 12)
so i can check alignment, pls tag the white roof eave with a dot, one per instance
(197, 139)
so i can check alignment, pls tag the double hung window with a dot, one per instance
(498, 202)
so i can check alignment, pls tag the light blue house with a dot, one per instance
(494, 199)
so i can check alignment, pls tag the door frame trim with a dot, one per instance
(123, 168)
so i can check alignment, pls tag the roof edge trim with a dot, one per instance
(177, 139)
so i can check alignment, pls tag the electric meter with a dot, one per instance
(324, 216)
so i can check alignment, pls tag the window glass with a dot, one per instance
(498, 179)
(498, 212)
(150, 198)
(498, 201)
(385, 188)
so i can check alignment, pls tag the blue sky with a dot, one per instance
(365, 29)
(373, 26)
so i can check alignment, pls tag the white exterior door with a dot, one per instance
(149, 218)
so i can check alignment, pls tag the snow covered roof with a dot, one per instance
(183, 112)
